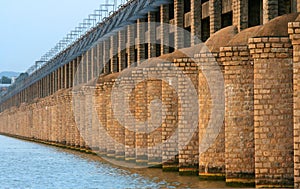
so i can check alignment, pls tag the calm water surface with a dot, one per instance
(30, 165)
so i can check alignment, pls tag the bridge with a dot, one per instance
(207, 88)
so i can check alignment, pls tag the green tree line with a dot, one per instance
(5, 80)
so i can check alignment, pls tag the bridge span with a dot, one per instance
(205, 87)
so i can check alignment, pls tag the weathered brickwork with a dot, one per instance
(187, 82)
(150, 116)
(294, 31)
(239, 121)
(215, 15)
(196, 21)
(110, 128)
(164, 29)
(101, 111)
(179, 22)
(141, 135)
(271, 10)
(118, 114)
(170, 122)
(273, 110)
(154, 116)
(240, 13)
(140, 40)
(129, 119)
(212, 160)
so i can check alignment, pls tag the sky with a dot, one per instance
(29, 28)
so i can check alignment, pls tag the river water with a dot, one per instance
(25, 164)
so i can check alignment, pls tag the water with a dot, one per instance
(30, 165)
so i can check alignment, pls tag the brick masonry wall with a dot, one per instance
(95, 119)
(170, 121)
(270, 8)
(294, 31)
(122, 49)
(189, 154)
(212, 160)
(273, 111)
(129, 121)
(118, 114)
(196, 7)
(38, 120)
(140, 40)
(101, 112)
(164, 29)
(240, 14)
(239, 120)
(215, 7)
(130, 44)
(179, 22)
(154, 115)
(110, 129)
(88, 115)
(81, 124)
(76, 109)
(141, 136)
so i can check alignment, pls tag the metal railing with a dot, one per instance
(100, 24)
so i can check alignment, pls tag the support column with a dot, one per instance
(110, 129)
(154, 116)
(179, 23)
(82, 69)
(215, 7)
(270, 10)
(74, 72)
(39, 90)
(70, 82)
(141, 135)
(79, 70)
(187, 128)
(169, 119)
(130, 44)
(294, 31)
(164, 29)
(106, 57)
(240, 14)
(95, 118)
(100, 64)
(151, 35)
(122, 50)
(56, 87)
(196, 9)
(114, 53)
(52, 83)
(44, 86)
(95, 61)
(88, 117)
(82, 123)
(101, 110)
(89, 66)
(118, 121)
(76, 112)
(140, 40)
(58, 78)
(211, 160)
(66, 75)
(273, 111)
(129, 122)
(62, 77)
(239, 118)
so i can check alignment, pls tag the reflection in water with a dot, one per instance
(29, 165)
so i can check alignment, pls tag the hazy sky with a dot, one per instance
(29, 28)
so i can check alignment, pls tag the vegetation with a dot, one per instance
(5, 80)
